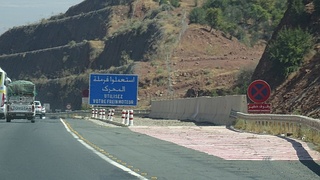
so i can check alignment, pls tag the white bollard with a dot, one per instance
(100, 113)
(127, 117)
(109, 114)
(130, 117)
(104, 114)
(112, 114)
(96, 113)
(92, 113)
(123, 116)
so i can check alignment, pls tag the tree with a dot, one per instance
(197, 15)
(214, 18)
(247, 19)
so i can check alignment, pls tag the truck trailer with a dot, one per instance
(20, 103)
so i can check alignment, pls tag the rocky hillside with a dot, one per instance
(60, 52)
(299, 93)
(174, 59)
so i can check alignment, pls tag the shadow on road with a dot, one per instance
(15, 122)
(303, 155)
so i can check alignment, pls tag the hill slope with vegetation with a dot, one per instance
(290, 62)
(178, 48)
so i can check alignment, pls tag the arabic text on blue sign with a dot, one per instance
(113, 89)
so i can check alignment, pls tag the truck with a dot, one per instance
(20, 100)
(4, 81)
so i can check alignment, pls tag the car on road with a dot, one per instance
(43, 110)
(40, 111)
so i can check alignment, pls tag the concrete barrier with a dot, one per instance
(190, 108)
(201, 109)
(156, 109)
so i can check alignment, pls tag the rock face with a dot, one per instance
(300, 94)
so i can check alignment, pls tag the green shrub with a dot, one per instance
(243, 81)
(197, 16)
(175, 3)
(125, 58)
(241, 19)
(298, 12)
(214, 17)
(163, 2)
(288, 50)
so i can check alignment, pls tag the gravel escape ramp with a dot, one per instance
(230, 145)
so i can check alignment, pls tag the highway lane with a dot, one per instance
(155, 158)
(45, 150)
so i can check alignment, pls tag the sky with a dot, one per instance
(23, 12)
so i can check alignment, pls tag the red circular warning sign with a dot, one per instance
(259, 91)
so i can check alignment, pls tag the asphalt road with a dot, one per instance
(81, 149)
(44, 150)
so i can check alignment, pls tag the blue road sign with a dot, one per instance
(113, 89)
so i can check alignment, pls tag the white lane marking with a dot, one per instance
(102, 155)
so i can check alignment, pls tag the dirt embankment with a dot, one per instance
(201, 62)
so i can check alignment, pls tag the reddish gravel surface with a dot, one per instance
(230, 145)
(222, 142)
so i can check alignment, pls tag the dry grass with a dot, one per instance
(96, 44)
(281, 128)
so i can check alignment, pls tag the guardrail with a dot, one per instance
(302, 127)
(310, 122)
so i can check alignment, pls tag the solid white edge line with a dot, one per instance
(102, 155)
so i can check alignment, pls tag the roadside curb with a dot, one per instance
(105, 121)
(110, 122)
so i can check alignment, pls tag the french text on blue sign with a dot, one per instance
(113, 89)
